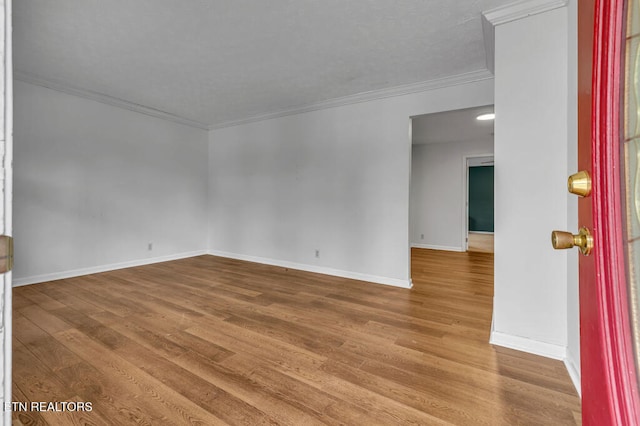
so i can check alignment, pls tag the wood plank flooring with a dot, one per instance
(208, 341)
(480, 242)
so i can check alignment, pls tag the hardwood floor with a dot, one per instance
(210, 341)
(480, 242)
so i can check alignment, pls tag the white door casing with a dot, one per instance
(6, 185)
(466, 160)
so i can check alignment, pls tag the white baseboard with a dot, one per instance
(574, 372)
(103, 268)
(434, 247)
(317, 269)
(291, 265)
(531, 346)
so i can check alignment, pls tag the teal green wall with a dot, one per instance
(481, 198)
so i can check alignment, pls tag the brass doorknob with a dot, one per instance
(564, 240)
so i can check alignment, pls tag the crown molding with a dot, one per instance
(427, 142)
(105, 99)
(509, 13)
(522, 9)
(406, 89)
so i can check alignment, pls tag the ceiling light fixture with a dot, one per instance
(485, 117)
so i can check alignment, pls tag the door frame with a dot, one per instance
(6, 185)
(465, 195)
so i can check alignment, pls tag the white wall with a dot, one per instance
(336, 180)
(531, 155)
(94, 184)
(573, 299)
(437, 193)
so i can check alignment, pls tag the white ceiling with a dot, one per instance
(218, 61)
(452, 126)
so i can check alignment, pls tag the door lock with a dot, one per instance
(6, 253)
(580, 184)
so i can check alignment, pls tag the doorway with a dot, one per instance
(479, 202)
(438, 187)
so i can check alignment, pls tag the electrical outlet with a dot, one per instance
(150, 246)
(317, 253)
(422, 236)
